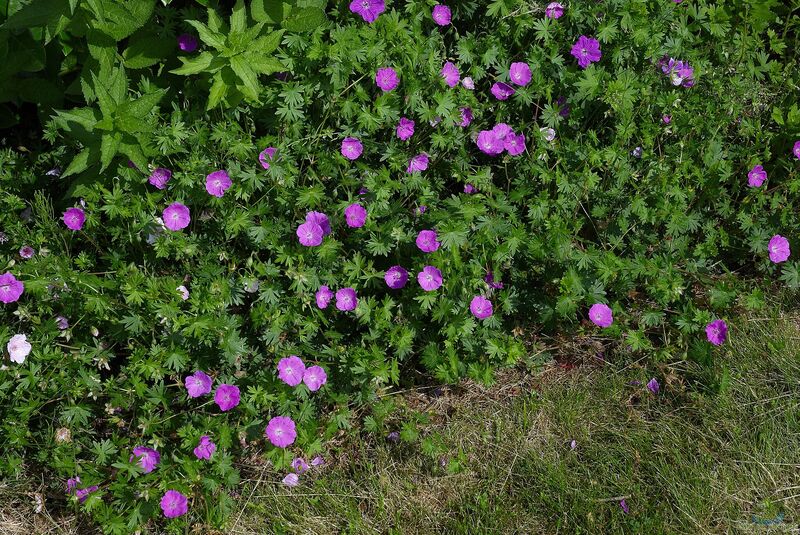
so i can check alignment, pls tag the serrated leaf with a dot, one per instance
(194, 65)
(218, 91)
(78, 164)
(304, 19)
(146, 49)
(267, 11)
(239, 17)
(266, 44)
(208, 36)
(37, 14)
(142, 106)
(121, 19)
(266, 64)
(108, 149)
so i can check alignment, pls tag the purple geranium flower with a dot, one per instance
(355, 215)
(653, 386)
(468, 83)
(368, 9)
(323, 297)
(72, 483)
(82, 494)
(480, 307)
(421, 209)
(281, 431)
(351, 148)
(601, 315)
(26, 252)
(450, 74)
(405, 129)
(74, 218)
(469, 189)
(489, 279)
(666, 119)
(417, 163)
(148, 458)
(756, 176)
(317, 461)
(489, 143)
(62, 323)
(310, 234)
(679, 72)
(554, 10)
(586, 50)
(320, 219)
(159, 177)
(466, 117)
(205, 448)
(291, 370)
(441, 15)
(548, 133)
(291, 480)
(427, 241)
(387, 79)
(717, 332)
(299, 465)
(624, 506)
(429, 278)
(217, 182)
(519, 73)
(796, 149)
(10, 288)
(346, 299)
(778, 249)
(198, 384)
(174, 504)
(314, 377)
(515, 144)
(176, 216)
(396, 277)
(266, 156)
(502, 91)
(187, 42)
(501, 130)
(226, 396)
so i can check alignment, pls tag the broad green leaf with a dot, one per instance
(194, 65)
(134, 154)
(36, 14)
(239, 17)
(208, 36)
(142, 106)
(218, 91)
(247, 75)
(121, 19)
(78, 164)
(82, 116)
(146, 49)
(270, 11)
(265, 64)
(304, 19)
(266, 44)
(108, 149)
(107, 103)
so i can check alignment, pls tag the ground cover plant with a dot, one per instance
(225, 226)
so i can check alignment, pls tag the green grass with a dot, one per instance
(497, 460)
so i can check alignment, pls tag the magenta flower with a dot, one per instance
(291, 480)
(489, 279)
(520, 73)
(778, 249)
(174, 504)
(291, 370)
(796, 149)
(502, 130)
(320, 219)
(317, 461)
(346, 299)
(323, 297)
(441, 15)
(310, 234)
(429, 278)
(679, 72)
(417, 163)
(502, 91)
(187, 42)
(624, 506)
(368, 9)
(159, 177)
(469, 189)
(281, 431)
(148, 458)
(667, 119)
(217, 182)
(554, 10)
(601, 315)
(717, 332)
(756, 176)
(72, 484)
(466, 117)
(198, 384)
(481, 307)
(468, 83)
(266, 156)
(82, 494)
(226, 396)
(10, 288)
(396, 277)
(352, 148)
(26, 252)
(176, 216)
(489, 143)
(515, 144)
(74, 218)
(450, 74)
(314, 377)
(299, 465)
(205, 448)
(586, 50)
(427, 241)
(387, 79)
(405, 129)
(355, 215)
(421, 209)
(653, 385)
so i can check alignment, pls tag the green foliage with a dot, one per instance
(654, 219)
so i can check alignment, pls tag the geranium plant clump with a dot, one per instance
(236, 225)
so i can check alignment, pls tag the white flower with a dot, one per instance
(18, 348)
(183, 291)
(468, 83)
(549, 133)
